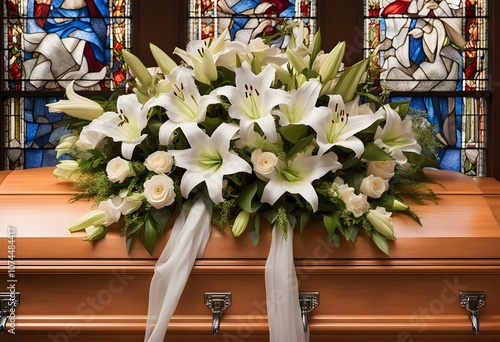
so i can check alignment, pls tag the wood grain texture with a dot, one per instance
(74, 290)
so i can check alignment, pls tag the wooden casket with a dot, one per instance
(73, 290)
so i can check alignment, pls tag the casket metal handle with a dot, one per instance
(217, 302)
(308, 301)
(473, 301)
(8, 301)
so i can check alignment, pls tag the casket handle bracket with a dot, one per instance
(8, 302)
(308, 301)
(217, 302)
(473, 301)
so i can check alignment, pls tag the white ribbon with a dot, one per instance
(282, 291)
(188, 240)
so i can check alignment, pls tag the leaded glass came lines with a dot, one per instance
(247, 19)
(46, 45)
(435, 52)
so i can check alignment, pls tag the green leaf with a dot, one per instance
(420, 160)
(293, 133)
(300, 146)
(308, 73)
(130, 241)
(271, 215)
(134, 228)
(226, 75)
(255, 230)
(150, 236)
(375, 153)
(246, 199)
(372, 98)
(331, 223)
(380, 241)
(402, 107)
(304, 218)
(351, 234)
(336, 240)
(354, 180)
(161, 216)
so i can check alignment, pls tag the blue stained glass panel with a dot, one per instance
(247, 19)
(459, 126)
(424, 47)
(33, 132)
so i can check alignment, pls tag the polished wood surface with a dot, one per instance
(73, 290)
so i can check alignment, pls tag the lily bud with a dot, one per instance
(131, 202)
(77, 106)
(137, 69)
(240, 223)
(298, 63)
(398, 205)
(205, 70)
(165, 63)
(93, 218)
(331, 65)
(282, 74)
(95, 233)
(349, 80)
(65, 169)
(381, 221)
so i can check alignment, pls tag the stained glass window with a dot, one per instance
(435, 52)
(46, 45)
(247, 19)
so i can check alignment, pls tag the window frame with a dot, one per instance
(151, 19)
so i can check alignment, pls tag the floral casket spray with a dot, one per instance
(235, 136)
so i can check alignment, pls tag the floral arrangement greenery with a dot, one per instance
(260, 133)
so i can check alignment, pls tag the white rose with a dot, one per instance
(159, 191)
(159, 162)
(382, 168)
(356, 204)
(374, 186)
(263, 163)
(118, 170)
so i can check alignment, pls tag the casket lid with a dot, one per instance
(463, 225)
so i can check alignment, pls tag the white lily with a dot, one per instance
(253, 99)
(202, 56)
(302, 108)
(208, 159)
(297, 175)
(77, 106)
(89, 139)
(183, 103)
(397, 136)
(337, 128)
(125, 126)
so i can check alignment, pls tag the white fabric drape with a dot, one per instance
(282, 292)
(188, 240)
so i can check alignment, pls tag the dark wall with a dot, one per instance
(160, 22)
(164, 23)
